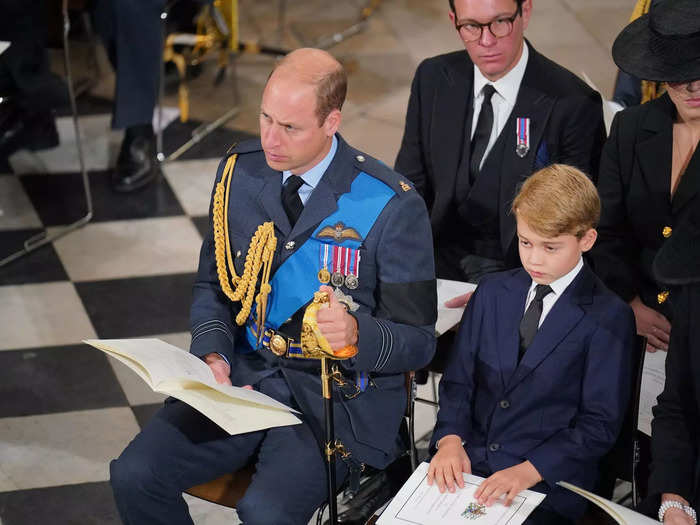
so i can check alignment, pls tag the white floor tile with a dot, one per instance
(192, 181)
(110, 250)
(45, 314)
(66, 448)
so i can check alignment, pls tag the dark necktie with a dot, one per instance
(531, 320)
(482, 133)
(290, 198)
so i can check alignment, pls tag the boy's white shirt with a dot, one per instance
(558, 287)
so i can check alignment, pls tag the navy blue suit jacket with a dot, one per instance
(396, 296)
(562, 406)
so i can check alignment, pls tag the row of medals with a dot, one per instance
(337, 279)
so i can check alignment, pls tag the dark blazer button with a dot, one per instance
(504, 403)
(493, 447)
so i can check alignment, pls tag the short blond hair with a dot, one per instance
(558, 200)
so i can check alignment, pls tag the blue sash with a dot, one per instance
(295, 281)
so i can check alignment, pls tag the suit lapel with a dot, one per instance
(270, 197)
(535, 104)
(453, 100)
(561, 320)
(513, 301)
(655, 150)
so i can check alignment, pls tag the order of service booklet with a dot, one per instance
(180, 374)
(620, 514)
(450, 317)
(418, 503)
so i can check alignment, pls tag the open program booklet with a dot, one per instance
(418, 503)
(620, 514)
(175, 372)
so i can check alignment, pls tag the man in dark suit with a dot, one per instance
(538, 384)
(339, 216)
(479, 122)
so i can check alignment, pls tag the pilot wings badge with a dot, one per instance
(338, 233)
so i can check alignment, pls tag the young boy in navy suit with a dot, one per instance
(538, 384)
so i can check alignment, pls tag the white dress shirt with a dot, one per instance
(557, 287)
(503, 100)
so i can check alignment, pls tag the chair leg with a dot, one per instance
(202, 131)
(43, 238)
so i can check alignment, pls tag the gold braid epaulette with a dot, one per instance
(260, 254)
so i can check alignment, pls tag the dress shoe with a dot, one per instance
(137, 165)
(26, 130)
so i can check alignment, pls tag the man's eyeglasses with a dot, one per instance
(500, 27)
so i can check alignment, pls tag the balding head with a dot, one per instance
(319, 69)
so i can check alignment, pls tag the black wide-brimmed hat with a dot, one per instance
(662, 45)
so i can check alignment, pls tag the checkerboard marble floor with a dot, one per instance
(65, 409)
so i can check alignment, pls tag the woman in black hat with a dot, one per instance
(650, 167)
(649, 172)
(674, 487)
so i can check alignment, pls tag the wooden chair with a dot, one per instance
(226, 490)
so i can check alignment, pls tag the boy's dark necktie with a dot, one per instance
(531, 320)
(290, 198)
(482, 133)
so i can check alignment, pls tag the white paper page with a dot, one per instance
(417, 503)
(3, 46)
(449, 317)
(157, 362)
(161, 360)
(233, 415)
(620, 514)
(653, 379)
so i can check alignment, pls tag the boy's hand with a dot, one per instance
(447, 465)
(509, 481)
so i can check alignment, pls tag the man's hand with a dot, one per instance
(509, 481)
(447, 465)
(336, 324)
(460, 301)
(652, 325)
(219, 367)
(675, 516)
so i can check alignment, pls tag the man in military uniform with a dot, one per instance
(345, 224)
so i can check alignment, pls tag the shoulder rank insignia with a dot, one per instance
(339, 233)
(404, 186)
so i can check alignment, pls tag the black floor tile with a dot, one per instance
(59, 198)
(82, 504)
(138, 307)
(57, 379)
(144, 413)
(213, 145)
(202, 225)
(39, 266)
(87, 104)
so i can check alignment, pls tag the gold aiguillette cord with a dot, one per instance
(260, 254)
